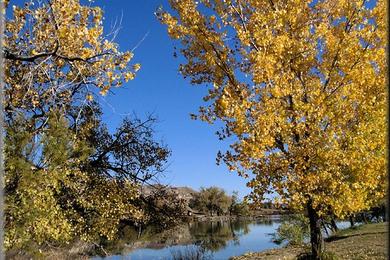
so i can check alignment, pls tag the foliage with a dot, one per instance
(31, 212)
(301, 87)
(52, 198)
(313, 102)
(55, 191)
(294, 231)
(67, 176)
(163, 207)
(55, 50)
(211, 200)
(238, 208)
(215, 200)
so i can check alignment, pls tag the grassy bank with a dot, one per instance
(362, 242)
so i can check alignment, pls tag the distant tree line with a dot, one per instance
(214, 201)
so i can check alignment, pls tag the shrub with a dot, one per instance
(294, 231)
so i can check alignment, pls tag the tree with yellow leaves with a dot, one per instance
(55, 52)
(302, 88)
(66, 176)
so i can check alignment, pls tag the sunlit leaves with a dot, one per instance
(57, 198)
(58, 48)
(301, 86)
(57, 58)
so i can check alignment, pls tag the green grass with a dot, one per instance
(364, 229)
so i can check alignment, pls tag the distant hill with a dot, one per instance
(186, 193)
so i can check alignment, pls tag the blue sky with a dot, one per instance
(161, 90)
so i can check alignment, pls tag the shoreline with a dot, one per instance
(86, 250)
(271, 215)
(368, 241)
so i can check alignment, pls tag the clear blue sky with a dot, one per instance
(158, 88)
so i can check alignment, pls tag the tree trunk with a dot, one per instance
(351, 220)
(325, 228)
(139, 231)
(365, 218)
(315, 232)
(334, 226)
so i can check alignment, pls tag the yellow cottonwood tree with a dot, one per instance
(56, 52)
(301, 85)
(56, 57)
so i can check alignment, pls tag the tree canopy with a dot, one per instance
(302, 88)
(66, 176)
(212, 200)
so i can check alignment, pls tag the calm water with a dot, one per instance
(217, 240)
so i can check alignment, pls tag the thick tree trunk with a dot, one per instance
(364, 216)
(351, 219)
(316, 239)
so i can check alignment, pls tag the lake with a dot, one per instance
(214, 240)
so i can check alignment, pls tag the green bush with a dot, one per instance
(294, 231)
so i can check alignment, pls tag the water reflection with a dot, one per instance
(213, 236)
(217, 238)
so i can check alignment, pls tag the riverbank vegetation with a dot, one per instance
(67, 177)
(214, 201)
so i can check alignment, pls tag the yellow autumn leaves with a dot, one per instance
(56, 54)
(67, 38)
(303, 115)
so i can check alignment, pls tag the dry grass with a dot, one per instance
(363, 242)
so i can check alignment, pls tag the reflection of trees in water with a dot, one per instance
(266, 221)
(214, 236)
(191, 252)
(208, 235)
(241, 227)
(130, 238)
(127, 236)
